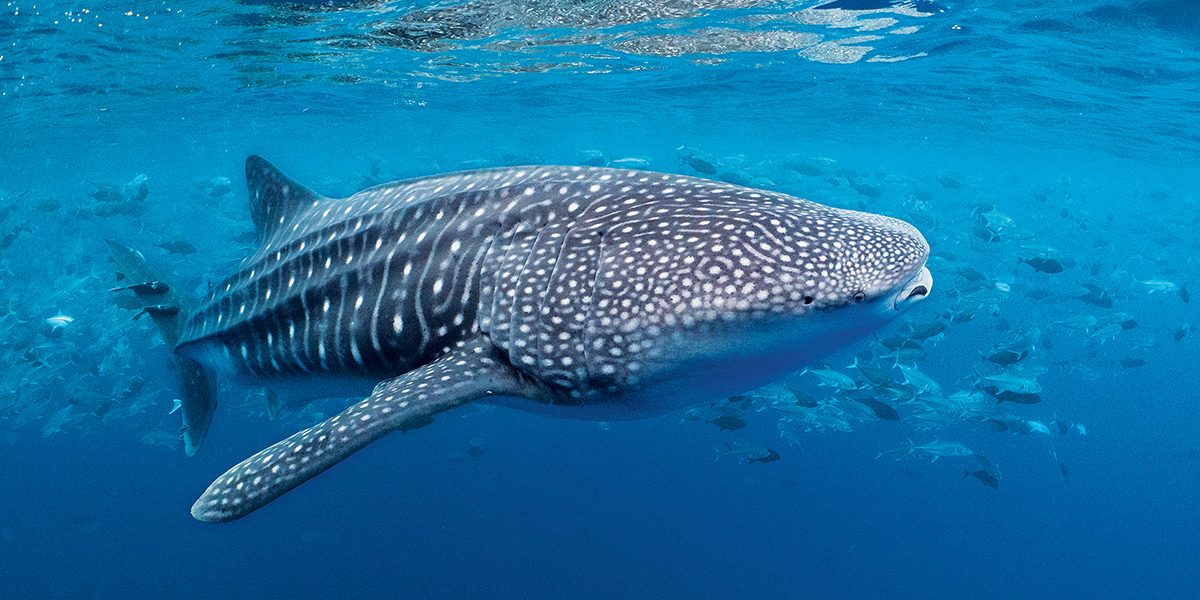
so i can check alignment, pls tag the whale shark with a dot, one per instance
(580, 292)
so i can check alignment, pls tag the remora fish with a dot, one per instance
(166, 307)
(587, 292)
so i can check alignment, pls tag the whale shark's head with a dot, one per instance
(862, 263)
(833, 275)
(770, 284)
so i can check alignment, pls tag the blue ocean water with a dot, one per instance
(1005, 131)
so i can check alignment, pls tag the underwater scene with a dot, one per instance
(617, 298)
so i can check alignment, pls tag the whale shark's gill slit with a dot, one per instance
(341, 323)
(589, 323)
(506, 240)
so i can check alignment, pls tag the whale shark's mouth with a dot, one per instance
(915, 290)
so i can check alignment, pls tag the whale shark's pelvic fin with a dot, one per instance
(198, 393)
(471, 371)
(275, 198)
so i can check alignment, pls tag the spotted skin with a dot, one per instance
(597, 289)
(469, 371)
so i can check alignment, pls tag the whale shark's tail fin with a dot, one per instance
(167, 307)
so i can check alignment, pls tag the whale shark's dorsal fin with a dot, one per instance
(275, 199)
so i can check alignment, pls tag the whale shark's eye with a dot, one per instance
(859, 296)
(808, 300)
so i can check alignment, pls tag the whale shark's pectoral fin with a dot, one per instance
(472, 371)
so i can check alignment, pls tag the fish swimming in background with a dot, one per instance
(728, 422)
(831, 378)
(988, 474)
(59, 321)
(1159, 286)
(574, 291)
(1043, 265)
(748, 453)
(931, 451)
(177, 247)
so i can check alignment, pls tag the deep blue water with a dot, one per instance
(1003, 130)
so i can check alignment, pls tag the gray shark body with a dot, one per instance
(587, 292)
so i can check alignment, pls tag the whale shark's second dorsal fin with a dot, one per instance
(275, 199)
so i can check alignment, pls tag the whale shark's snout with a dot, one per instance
(915, 290)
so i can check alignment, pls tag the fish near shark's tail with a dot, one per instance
(167, 307)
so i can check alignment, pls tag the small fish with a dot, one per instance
(881, 410)
(741, 401)
(1014, 397)
(1181, 332)
(802, 398)
(157, 310)
(948, 182)
(926, 331)
(1038, 426)
(1005, 357)
(1132, 363)
(630, 162)
(246, 237)
(769, 457)
(984, 477)
(1157, 286)
(988, 473)
(1184, 295)
(832, 378)
(994, 424)
(748, 453)
(106, 192)
(219, 186)
(177, 247)
(867, 190)
(700, 165)
(1013, 382)
(59, 321)
(1096, 296)
(146, 287)
(1066, 473)
(804, 168)
(931, 451)
(728, 422)
(875, 375)
(919, 380)
(1043, 265)
(476, 447)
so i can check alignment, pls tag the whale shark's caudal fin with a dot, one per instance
(471, 371)
(274, 197)
(167, 307)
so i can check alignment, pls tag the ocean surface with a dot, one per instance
(1042, 439)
